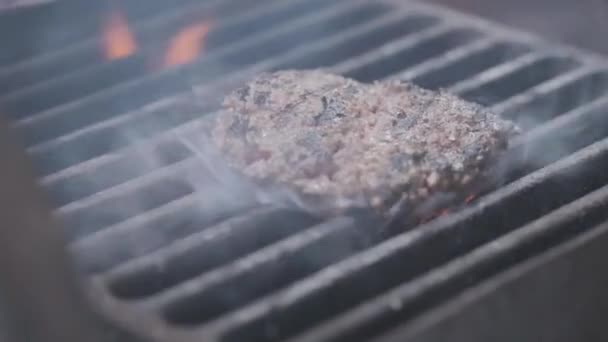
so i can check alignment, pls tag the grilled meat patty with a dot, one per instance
(369, 144)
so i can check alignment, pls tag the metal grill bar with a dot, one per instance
(95, 218)
(118, 99)
(114, 210)
(489, 90)
(382, 67)
(68, 59)
(578, 87)
(483, 262)
(118, 160)
(53, 92)
(177, 170)
(18, 104)
(571, 124)
(167, 260)
(285, 255)
(105, 128)
(234, 233)
(62, 34)
(70, 172)
(49, 148)
(172, 221)
(282, 262)
(447, 72)
(448, 58)
(542, 88)
(572, 130)
(497, 72)
(358, 40)
(107, 138)
(355, 62)
(428, 239)
(63, 63)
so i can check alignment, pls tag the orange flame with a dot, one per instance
(187, 44)
(118, 41)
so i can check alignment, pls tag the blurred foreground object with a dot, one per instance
(40, 297)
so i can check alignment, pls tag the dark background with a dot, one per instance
(583, 23)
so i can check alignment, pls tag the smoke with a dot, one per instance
(556, 123)
(214, 187)
(215, 180)
(226, 185)
(203, 181)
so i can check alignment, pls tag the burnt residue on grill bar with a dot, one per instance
(164, 241)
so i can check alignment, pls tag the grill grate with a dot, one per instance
(170, 260)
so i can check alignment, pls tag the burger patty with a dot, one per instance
(327, 135)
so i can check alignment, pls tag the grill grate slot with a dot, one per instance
(335, 23)
(548, 143)
(36, 132)
(19, 105)
(48, 149)
(88, 55)
(116, 144)
(405, 58)
(124, 126)
(574, 94)
(385, 266)
(469, 64)
(78, 186)
(64, 65)
(92, 214)
(349, 48)
(75, 85)
(89, 219)
(61, 184)
(52, 32)
(414, 298)
(523, 78)
(277, 267)
(129, 96)
(206, 251)
(151, 230)
(68, 152)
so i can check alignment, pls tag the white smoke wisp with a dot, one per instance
(223, 184)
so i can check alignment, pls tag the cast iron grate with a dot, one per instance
(172, 256)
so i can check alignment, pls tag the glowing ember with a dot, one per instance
(435, 215)
(469, 198)
(118, 41)
(446, 211)
(187, 44)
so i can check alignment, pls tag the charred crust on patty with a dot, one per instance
(326, 135)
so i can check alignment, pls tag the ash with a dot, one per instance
(371, 144)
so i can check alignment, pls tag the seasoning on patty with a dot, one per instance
(370, 144)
